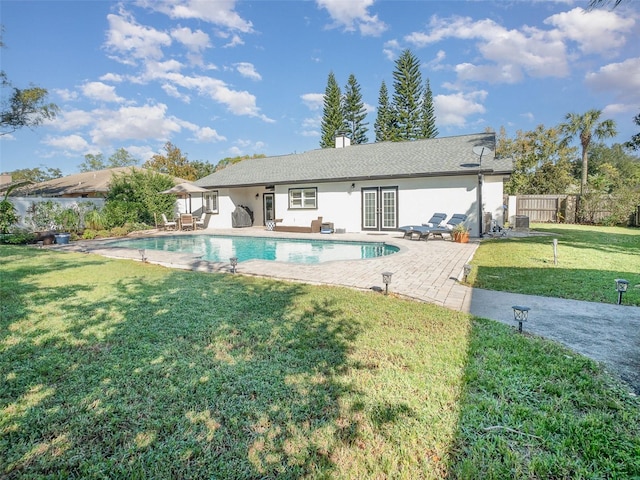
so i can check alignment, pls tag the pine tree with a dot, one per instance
(384, 125)
(427, 115)
(332, 118)
(407, 97)
(354, 112)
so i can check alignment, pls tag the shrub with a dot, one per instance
(68, 220)
(103, 233)
(134, 227)
(118, 232)
(18, 237)
(134, 196)
(43, 215)
(89, 234)
(8, 216)
(94, 219)
(119, 212)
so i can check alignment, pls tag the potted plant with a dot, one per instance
(460, 233)
(67, 222)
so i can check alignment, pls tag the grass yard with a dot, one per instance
(118, 369)
(590, 258)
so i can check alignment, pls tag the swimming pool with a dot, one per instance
(219, 248)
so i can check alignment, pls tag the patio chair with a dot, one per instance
(411, 231)
(199, 222)
(186, 221)
(441, 231)
(167, 225)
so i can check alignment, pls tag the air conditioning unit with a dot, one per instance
(521, 222)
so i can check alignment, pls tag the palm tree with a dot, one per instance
(601, 3)
(587, 126)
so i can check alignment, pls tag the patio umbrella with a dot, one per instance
(184, 190)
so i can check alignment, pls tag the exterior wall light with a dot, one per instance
(621, 287)
(234, 263)
(520, 315)
(386, 279)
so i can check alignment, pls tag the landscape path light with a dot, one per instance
(467, 271)
(520, 315)
(386, 279)
(621, 287)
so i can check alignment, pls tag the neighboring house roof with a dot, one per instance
(78, 184)
(9, 186)
(443, 156)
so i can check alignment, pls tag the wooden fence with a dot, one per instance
(559, 209)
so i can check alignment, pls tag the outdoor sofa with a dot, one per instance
(315, 227)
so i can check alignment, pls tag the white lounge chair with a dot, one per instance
(200, 222)
(167, 225)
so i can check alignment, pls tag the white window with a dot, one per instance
(211, 202)
(303, 198)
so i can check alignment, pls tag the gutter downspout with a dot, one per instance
(480, 209)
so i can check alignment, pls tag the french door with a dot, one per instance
(379, 208)
(268, 207)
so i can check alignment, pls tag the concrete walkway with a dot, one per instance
(431, 272)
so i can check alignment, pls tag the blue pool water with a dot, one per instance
(219, 248)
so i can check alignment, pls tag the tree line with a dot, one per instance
(408, 115)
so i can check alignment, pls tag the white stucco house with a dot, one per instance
(366, 188)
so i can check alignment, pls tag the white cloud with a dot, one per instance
(313, 101)
(615, 109)
(157, 70)
(454, 109)
(391, 48)
(436, 63)
(173, 91)
(489, 73)
(101, 92)
(510, 53)
(194, 41)
(219, 12)
(65, 94)
(311, 127)
(130, 41)
(207, 134)
(352, 15)
(112, 77)
(238, 102)
(597, 31)
(144, 152)
(132, 123)
(248, 70)
(234, 42)
(73, 143)
(623, 79)
(72, 120)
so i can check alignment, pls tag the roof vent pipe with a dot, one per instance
(342, 141)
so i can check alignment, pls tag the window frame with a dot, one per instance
(303, 198)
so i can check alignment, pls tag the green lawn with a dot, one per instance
(118, 369)
(590, 258)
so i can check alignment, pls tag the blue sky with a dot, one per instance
(221, 78)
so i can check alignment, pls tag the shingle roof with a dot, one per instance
(78, 184)
(431, 157)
